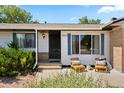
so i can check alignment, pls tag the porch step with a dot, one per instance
(49, 66)
(54, 60)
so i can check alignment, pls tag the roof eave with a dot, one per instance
(112, 22)
(90, 29)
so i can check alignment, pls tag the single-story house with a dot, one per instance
(61, 42)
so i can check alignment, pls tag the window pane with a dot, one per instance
(85, 44)
(75, 44)
(30, 41)
(25, 40)
(20, 40)
(95, 42)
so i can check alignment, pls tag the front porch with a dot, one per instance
(55, 48)
(49, 49)
(49, 46)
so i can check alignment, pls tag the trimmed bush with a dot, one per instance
(14, 62)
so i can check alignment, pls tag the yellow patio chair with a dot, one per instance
(76, 65)
(101, 68)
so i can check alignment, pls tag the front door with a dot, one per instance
(54, 46)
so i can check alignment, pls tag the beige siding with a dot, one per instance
(5, 38)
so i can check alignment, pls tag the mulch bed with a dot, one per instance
(16, 82)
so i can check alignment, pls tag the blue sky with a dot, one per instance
(71, 13)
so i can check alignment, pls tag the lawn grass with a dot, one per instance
(69, 80)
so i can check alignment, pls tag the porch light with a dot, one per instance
(43, 35)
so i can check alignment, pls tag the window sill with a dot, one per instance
(28, 49)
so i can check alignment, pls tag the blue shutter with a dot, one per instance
(69, 44)
(102, 44)
(14, 37)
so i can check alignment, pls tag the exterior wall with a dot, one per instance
(116, 48)
(43, 57)
(107, 45)
(85, 59)
(123, 49)
(43, 47)
(7, 36)
(43, 43)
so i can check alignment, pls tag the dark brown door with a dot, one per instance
(55, 45)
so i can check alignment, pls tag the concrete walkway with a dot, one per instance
(113, 78)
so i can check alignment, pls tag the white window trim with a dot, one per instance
(91, 44)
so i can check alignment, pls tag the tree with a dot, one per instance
(85, 20)
(0, 18)
(14, 14)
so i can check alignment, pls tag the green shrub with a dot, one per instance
(3, 70)
(12, 45)
(13, 73)
(14, 62)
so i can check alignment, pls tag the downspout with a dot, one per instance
(36, 49)
(101, 55)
